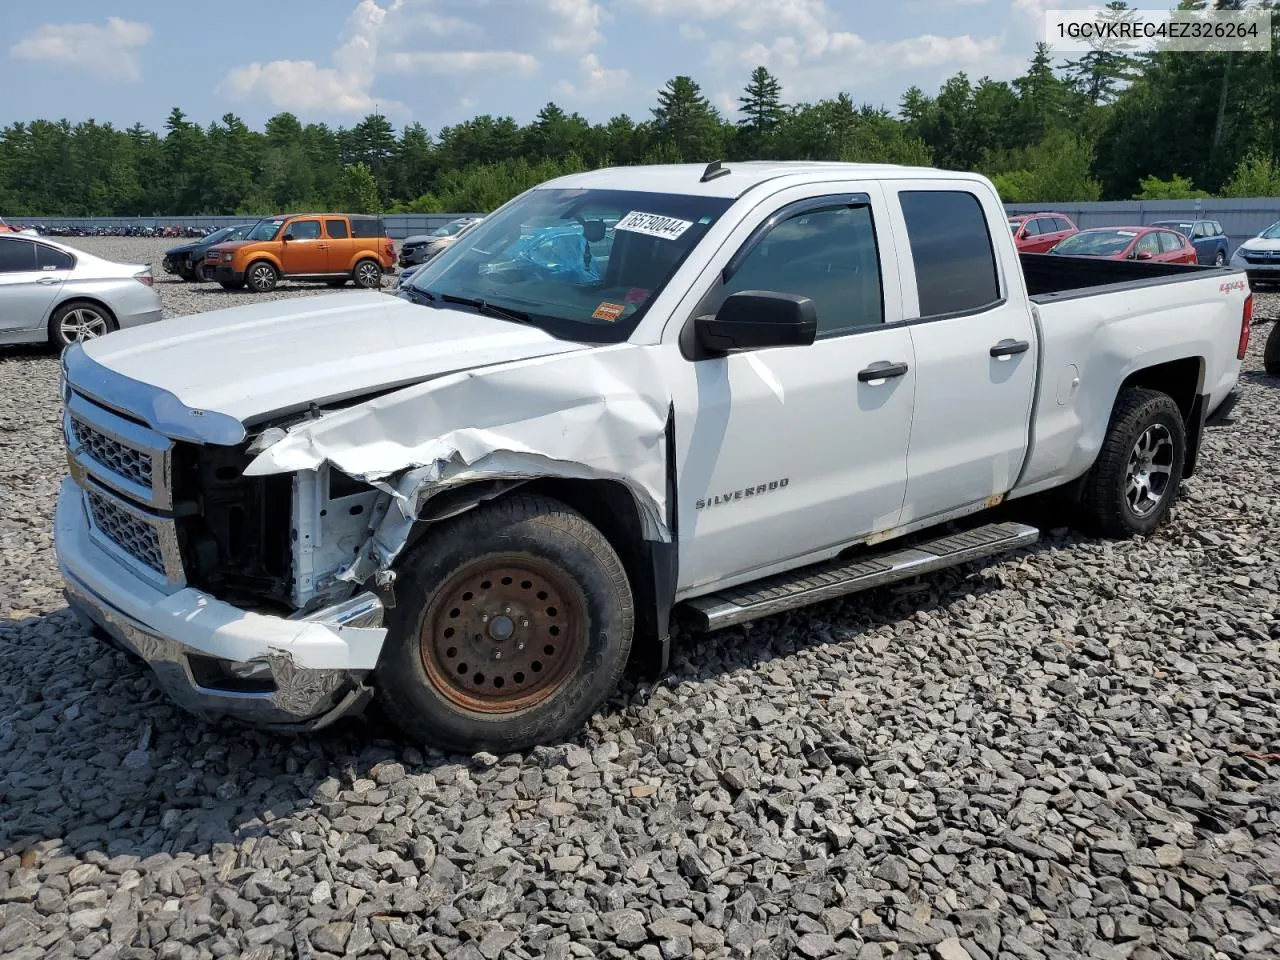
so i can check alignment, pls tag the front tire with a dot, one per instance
(1135, 479)
(368, 274)
(78, 321)
(261, 277)
(1271, 352)
(513, 624)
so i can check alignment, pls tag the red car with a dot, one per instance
(1040, 232)
(1129, 243)
(5, 228)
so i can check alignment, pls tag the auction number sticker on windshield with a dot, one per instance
(609, 311)
(653, 225)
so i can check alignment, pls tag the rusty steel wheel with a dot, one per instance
(512, 625)
(503, 634)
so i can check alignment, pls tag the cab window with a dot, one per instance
(337, 229)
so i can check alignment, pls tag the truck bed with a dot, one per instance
(1051, 278)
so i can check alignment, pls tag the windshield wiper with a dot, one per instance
(492, 309)
(420, 296)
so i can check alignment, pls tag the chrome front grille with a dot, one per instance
(134, 465)
(124, 469)
(137, 537)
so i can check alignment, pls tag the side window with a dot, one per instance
(951, 246)
(304, 229)
(1148, 243)
(1061, 224)
(1168, 243)
(1216, 227)
(1033, 228)
(365, 227)
(47, 258)
(337, 229)
(1198, 231)
(16, 256)
(828, 255)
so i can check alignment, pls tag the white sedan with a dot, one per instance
(58, 294)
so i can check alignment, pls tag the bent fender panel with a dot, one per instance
(591, 415)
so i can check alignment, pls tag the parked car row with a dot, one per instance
(332, 248)
(1167, 241)
(419, 249)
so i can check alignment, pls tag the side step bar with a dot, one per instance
(812, 584)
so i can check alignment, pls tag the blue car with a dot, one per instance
(1205, 235)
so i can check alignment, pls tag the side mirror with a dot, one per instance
(288, 236)
(754, 319)
(1142, 255)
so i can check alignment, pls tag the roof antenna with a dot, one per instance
(714, 169)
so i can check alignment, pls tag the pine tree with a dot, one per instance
(686, 120)
(1100, 73)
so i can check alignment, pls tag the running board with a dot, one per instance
(813, 584)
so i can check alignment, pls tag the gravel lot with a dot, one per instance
(1070, 753)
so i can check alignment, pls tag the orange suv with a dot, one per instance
(332, 247)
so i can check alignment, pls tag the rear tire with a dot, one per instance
(1135, 479)
(261, 277)
(1220, 259)
(513, 625)
(368, 274)
(79, 320)
(1271, 352)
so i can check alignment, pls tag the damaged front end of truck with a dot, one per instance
(279, 537)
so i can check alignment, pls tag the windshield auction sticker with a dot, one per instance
(609, 311)
(653, 225)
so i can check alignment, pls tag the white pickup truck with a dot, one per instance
(732, 390)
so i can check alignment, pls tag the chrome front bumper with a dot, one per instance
(288, 697)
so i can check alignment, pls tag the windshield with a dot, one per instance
(265, 230)
(223, 234)
(449, 229)
(1272, 232)
(580, 264)
(1102, 243)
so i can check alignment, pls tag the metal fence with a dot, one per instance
(399, 225)
(1240, 219)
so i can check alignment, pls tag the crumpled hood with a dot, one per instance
(279, 356)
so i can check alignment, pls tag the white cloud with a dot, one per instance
(302, 85)
(461, 61)
(577, 23)
(108, 50)
(692, 32)
(597, 80)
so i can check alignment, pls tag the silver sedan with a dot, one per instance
(58, 294)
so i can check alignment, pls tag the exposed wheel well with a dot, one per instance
(94, 301)
(1180, 379)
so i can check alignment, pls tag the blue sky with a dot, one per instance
(441, 61)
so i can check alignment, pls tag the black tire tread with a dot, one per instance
(355, 272)
(249, 269)
(412, 599)
(1135, 407)
(1271, 351)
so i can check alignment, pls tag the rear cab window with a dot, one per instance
(955, 261)
(367, 227)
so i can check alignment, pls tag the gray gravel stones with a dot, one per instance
(1068, 753)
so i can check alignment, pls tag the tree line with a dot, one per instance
(1108, 125)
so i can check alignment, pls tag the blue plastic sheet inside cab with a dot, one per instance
(560, 252)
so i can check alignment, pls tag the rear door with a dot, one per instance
(341, 246)
(304, 251)
(29, 283)
(973, 338)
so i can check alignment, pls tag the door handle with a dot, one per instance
(883, 370)
(1009, 348)
(47, 280)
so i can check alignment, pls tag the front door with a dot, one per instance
(28, 283)
(305, 250)
(786, 451)
(975, 357)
